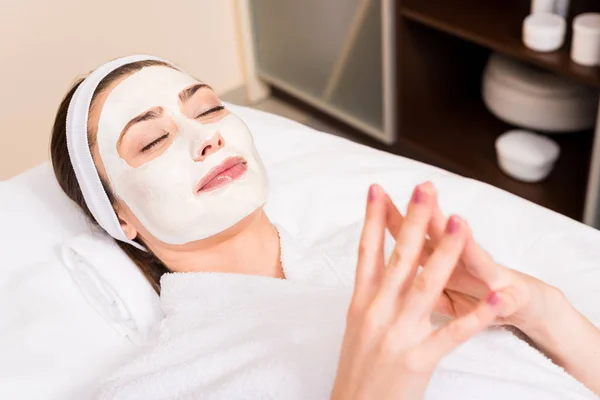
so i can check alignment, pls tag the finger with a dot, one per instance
(481, 264)
(477, 261)
(467, 284)
(394, 217)
(425, 253)
(411, 235)
(409, 244)
(428, 286)
(445, 306)
(512, 300)
(370, 251)
(394, 223)
(438, 221)
(455, 304)
(447, 338)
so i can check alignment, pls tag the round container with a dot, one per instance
(546, 6)
(544, 32)
(526, 156)
(585, 49)
(532, 98)
(562, 7)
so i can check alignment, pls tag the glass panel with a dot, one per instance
(330, 51)
(298, 41)
(360, 88)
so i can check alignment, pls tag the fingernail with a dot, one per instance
(453, 225)
(493, 299)
(418, 195)
(373, 192)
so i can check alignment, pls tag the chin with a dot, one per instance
(203, 219)
(248, 219)
(225, 234)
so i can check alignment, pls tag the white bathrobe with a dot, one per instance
(232, 336)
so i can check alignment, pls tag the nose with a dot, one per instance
(210, 146)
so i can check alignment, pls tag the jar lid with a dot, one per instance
(527, 147)
(587, 22)
(531, 79)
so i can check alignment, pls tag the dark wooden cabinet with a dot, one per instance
(442, 48)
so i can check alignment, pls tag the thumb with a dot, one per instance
(447, 338)
(511, 300)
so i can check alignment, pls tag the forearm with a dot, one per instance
(571, 341)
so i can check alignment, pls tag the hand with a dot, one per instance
(539, 310)
(527, 301)
(390, 347)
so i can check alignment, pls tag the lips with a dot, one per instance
(228, 171)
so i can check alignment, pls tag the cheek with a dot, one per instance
(140, 189)
(164, 179)
(238, 141)
(151, 188)
(237, 136)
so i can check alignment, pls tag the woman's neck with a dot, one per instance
(249, 247)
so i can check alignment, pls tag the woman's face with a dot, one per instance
(182, 166)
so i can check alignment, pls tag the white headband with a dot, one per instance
(79, 151)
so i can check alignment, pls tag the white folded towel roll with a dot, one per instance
(113, 285)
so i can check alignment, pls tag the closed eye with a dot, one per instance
(211, 111)
(153, 144)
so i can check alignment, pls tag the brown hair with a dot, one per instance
(148, 263)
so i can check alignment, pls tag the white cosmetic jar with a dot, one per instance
(526, 156)
(585, 49)
(532, 98)
(544, 32)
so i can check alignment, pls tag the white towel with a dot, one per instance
(233, 336)
(113, 286)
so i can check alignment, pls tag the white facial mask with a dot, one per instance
(161, 192)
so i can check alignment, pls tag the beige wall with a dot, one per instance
(45, 45)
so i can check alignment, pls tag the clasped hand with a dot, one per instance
(391, 348)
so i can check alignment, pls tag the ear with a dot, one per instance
(128, 229)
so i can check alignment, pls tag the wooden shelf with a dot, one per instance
(442, 48)
(496, 24)
(461, 139)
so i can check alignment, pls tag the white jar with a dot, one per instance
(533, 98)
(585, 49)
(526, 156)
(562, 8)
(543, 6)
(544, 32)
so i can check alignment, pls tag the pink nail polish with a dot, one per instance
(493, 299)
(418, 195)
(453, 225)
(373, 192)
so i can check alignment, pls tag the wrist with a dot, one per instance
(551, 325)
(569, 339)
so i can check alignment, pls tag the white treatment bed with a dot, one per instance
(53, 345)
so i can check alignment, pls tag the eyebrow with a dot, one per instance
(153, 113)
(185, 94)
